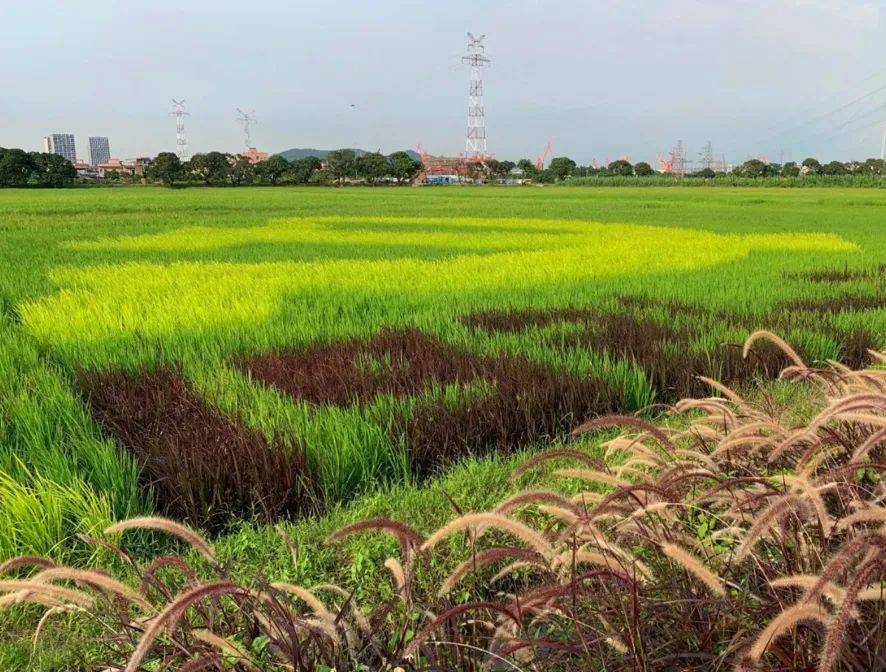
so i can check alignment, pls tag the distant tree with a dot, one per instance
(301, 170)
(620, 167)
(834, 168)
(242, 171)
(496, 169)
(811, 166)
(506, 167)
(321, 176)
(272, 169)
(16, 167)
(772, 170)
(706, 173)
(543, 176)
(342, 164)
(752, 168)
(19, 168)
(313, 162)
(113, 176)
(643, 169)
(211, 168)
(790, 169)
(875, 167)
(403, 167)
(372, 167)
(52, 170)
(167, 168)
(527, 166)
(561, 167)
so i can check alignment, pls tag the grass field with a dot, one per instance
(219, 354)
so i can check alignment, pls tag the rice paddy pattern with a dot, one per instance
(542, 310)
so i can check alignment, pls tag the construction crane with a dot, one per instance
(540, 161)
(423, 153)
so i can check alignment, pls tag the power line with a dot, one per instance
(853, 129)
(847, 105)
(796, 119)
(857, 117)
(821, 116)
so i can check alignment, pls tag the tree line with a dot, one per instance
(810, 166)
(19, 168)
(562, 168)
(340, 166)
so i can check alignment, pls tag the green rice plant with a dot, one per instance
(38, 516)
(134, 280)
(59, 476)
(735, 538)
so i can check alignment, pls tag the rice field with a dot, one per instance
(222, 354)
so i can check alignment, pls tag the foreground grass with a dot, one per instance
(474, 485)
(295, 552)
(300, 556)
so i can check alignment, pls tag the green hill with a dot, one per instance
(301, 153)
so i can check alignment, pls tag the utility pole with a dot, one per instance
(475, 139)
(181, 141)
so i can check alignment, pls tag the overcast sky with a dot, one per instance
(598, 79)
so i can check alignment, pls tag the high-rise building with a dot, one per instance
(61, 144)
(99, 151)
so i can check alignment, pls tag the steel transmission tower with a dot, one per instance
(475, 140)
(247, 119)
(707, 156)
(181, 141)
(677, 160)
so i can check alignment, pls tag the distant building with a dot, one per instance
(444, 170)
(254, 155)
(61, 144)
(129, 169)
(99, 151)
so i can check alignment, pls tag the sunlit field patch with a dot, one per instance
(108, 302)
